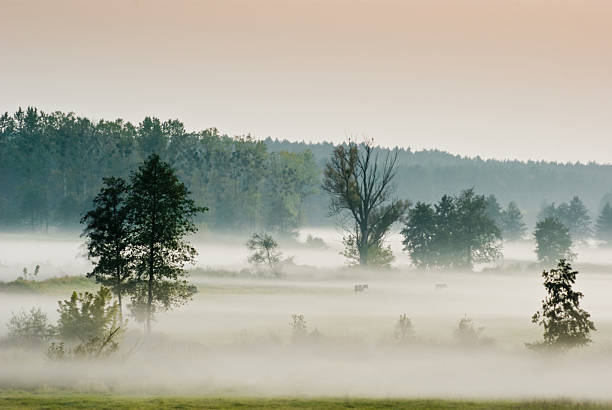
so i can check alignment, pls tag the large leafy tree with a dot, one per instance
(512, 225)
(604, 224)
(457, 232)
(108, 238)
(161, 214)
(360, 186)
(553, 241)
(565, 323)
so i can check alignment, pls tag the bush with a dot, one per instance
(404, 331)
(29, 329)
(468, 335)
(315, 242)
(87, 316)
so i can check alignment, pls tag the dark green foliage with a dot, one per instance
(493, 210)
(604, 225)
(29, 329)
(52, 165)
(512, 225)
(573, 215)
(457, 233)
(160, 214)
(87, 316)
(553, 241)
(108, 237)
(566, 324)
(359, 185)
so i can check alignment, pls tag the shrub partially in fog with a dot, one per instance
(87, 316)
(566, 324)
(467, 334)
(299, 330)
(377, 255)
(29, 329)
(404, 331)
(315, 242)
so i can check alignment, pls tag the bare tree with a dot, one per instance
(359, 184)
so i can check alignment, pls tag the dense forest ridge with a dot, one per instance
(51, 166)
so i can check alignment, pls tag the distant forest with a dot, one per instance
(52, 165)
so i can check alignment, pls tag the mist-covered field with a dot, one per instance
(235, 337)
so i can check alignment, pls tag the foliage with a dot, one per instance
(299, 329)
(87, 316)
(161, 214)
(553, 241)
(360, 188)
(376, 255)
(404, 331)
(29, 329)
(52, 165)
(315, 242)
(573, 215)
(108, 237)
(512, 225)
(264, 250)
(51, 285)
(493, 210)
(604, 225)
(566, 324)
(456, 232)
(467, 334)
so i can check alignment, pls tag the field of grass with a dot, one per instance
(60, 284)
(21, 400)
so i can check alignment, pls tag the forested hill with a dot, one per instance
(427, 175)
(52, 165)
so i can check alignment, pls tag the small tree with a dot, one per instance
(29, 329)
(604, 225)
(404, 331)
(265, 250)
(87, 316)
(299, 328)
(513, 227)
(553, 241)
(566, 324)
(108, 238)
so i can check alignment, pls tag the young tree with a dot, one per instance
(265, 251)
(360, 187)
(553, 241)
(565, 323)
(604, 225)
(513, 227)
(477, 236)
(161, 214)
(493, 210)
(420, 234)
(108, 237)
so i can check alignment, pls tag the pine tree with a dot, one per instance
(161, 215)
(513, 227)
(604, 224)
(565, 323)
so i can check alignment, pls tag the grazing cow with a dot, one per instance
(440, 286)
(361, 288)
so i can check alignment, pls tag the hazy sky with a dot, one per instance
(504, 79)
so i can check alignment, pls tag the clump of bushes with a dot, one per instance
(404, 331)
(315, 242)
(299, 330)
(29, 329)
(467, 334)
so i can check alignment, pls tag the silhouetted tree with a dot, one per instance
(513, 227)
(573, 215)
(161, 214)
(108, 238)
(565, 323)
(359, 185)
(553, 241)
(604, 225)
(493, 210)
(264, 251)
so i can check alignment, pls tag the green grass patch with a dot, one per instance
(19, 400)
(52, 285)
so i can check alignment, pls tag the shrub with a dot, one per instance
(404, 331)
(468, 335)
(29, 329)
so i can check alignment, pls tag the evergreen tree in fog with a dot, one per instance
(513, 227)
(553, 241)
(604, 225)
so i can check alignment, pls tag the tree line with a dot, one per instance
(53, 164)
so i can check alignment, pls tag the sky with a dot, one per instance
(495, 78)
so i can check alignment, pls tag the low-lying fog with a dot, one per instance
(235, 337)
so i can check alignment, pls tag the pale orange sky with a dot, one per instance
(502, 79)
